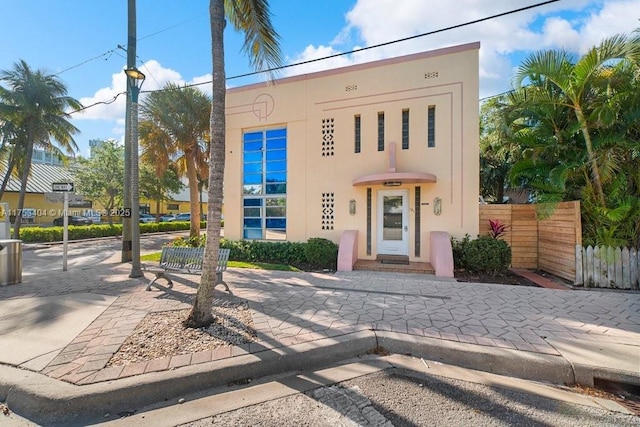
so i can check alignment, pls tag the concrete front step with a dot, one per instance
(412, 267)
(392, 259)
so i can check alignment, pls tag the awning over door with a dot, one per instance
(391, 178)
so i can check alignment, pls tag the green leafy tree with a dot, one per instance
(577, 83)
(173, 131)
(158, 188)
(579, 135)
(101, 176)
(35, 104)
(252, 17)
(498, 148)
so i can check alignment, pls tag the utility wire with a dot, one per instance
(452, 27)
(106, 54)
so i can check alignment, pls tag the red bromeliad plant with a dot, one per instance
(496, 228)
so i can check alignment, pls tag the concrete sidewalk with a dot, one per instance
(59, 329)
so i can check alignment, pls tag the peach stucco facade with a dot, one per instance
(393, 196)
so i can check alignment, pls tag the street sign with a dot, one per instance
(59, 197)
(62, 186)
(80, 203)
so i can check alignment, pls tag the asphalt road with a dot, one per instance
(399, 397)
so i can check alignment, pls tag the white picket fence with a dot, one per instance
(607, 267)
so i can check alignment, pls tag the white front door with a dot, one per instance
(393, 222)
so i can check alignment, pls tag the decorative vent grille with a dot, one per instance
(327, 137)
(430, 75)
(351, 88)
(327, 211)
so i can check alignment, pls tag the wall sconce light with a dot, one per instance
(437, 206)
(352, 206)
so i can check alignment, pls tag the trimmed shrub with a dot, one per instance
(486, 255)
(321, 253)
(458, 247)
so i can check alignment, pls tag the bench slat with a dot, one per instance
(189, 260)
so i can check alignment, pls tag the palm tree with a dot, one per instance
(498, 150)
(174, 129)
(576, 83)
(11, 149)
(35, 102)
(261, 43)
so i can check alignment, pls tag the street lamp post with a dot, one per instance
(135, 78)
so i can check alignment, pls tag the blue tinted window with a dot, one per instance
(253, 136)
(276, 211)
(276, 177)
(276, 155)
(252, 178)
(252, 189)
(252, 168)
(265, 173)
(276, 144)
(276, 223)
(252, 212)
(277, 133)
(276, 166)
(252, 233)
(253, 146)
(253, 202)
(276, 201)
(253, 222)
(253, 156)
(276, 188)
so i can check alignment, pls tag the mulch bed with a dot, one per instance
(507, 278)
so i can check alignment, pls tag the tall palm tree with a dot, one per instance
(11, 152)
(36, 103)
(174, 129)
(253, 18)
(576, 82)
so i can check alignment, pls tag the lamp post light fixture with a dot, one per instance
(135, 78)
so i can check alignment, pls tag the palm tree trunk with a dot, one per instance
(5, 180)
(200, 314)
(23, 183)
(593, 162)
(194, 194)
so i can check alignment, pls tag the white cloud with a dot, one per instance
(110, 102)
(573, 25)
(310, 53)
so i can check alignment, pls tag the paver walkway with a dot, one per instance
(290, 308)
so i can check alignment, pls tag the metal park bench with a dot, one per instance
(187, 260)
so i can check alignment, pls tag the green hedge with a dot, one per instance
(54, 234)
(316, 254)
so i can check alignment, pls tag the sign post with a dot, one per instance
(65, 188)
(65, 231)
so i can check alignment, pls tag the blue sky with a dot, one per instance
(79, 39)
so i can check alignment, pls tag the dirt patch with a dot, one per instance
(507, 278)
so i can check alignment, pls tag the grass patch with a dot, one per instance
(262, 266)
(155, 257)
(151, 257)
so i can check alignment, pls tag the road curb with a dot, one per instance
(47, 401)
(502, 361)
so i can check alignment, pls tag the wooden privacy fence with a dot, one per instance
(607, 267)
(545, 242)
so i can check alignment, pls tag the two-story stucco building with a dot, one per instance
(376, 156)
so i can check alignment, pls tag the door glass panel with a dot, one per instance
(392, 218)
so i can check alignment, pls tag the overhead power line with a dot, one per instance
(449, 28)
